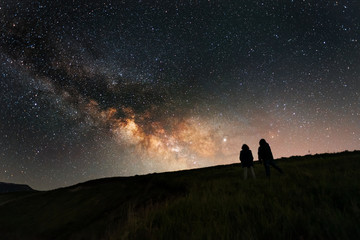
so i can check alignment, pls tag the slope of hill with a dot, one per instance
(10, 187)
(318, 197)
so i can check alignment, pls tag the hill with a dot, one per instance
(318, 197)
(10, 187)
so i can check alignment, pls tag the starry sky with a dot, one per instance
(92, 89)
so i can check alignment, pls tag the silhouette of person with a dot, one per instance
(266, 157)
(247, 160)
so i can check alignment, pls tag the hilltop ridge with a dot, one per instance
(317, 197)
(12, 187)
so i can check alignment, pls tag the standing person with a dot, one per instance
(265, 156)
(247, 160)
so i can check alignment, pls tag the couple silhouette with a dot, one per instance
(265, 156)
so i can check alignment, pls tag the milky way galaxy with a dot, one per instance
(92, 89)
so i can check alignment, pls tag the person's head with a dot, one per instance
(245, 147)
(262, 142)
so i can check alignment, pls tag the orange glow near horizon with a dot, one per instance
(186, 142)
(179, 148)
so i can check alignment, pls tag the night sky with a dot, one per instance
(92, 89)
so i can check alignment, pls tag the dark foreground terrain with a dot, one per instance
(318, 197)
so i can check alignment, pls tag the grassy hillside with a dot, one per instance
(318, 197)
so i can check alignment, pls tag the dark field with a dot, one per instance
(318, 197)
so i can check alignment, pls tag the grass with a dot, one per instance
(318, 197)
